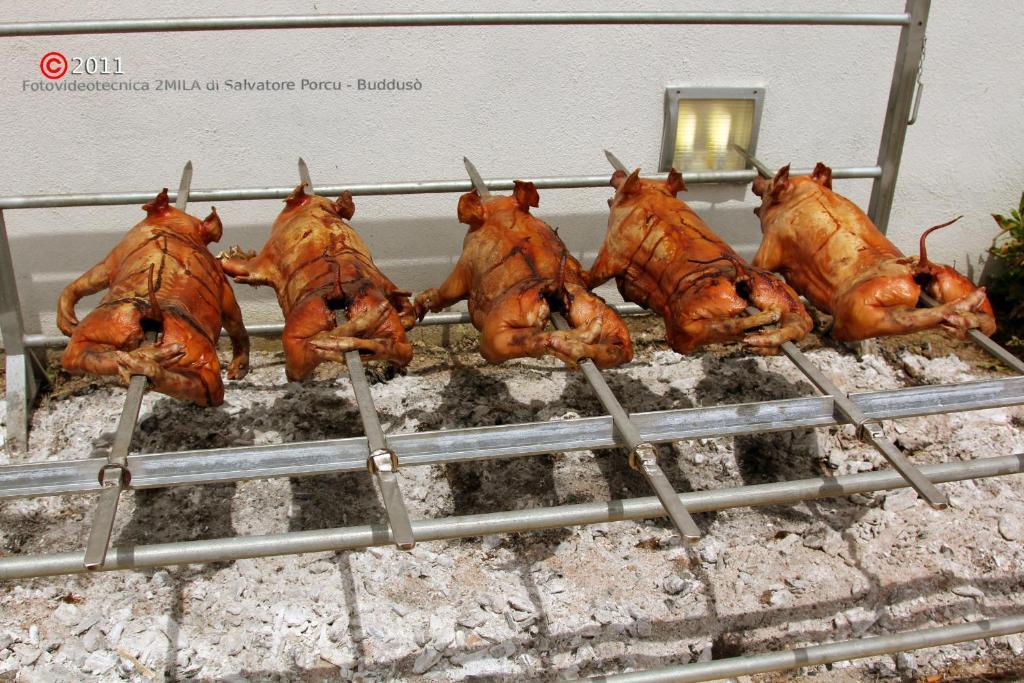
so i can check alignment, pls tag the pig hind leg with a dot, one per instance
(94, 344)
(769, 293)
(182, 365)
(514, 327)
(374, 328)
(711, 312)
(598, 334)
(887, 306)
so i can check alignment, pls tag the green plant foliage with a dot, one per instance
(1006, 286)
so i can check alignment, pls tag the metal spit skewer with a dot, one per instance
(114, 475)
(868, 430)
(382, 461)
(643, 456)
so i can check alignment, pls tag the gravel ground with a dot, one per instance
(549, 605)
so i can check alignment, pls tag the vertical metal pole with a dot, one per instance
(114, 475)
(897, 116)
(382, 462)
(24, 368)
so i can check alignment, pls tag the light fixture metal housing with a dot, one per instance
(702, 123)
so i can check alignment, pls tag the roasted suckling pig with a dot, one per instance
(160, 278)
(832, 253)
(515, 270)
(318, 265)
(665, 258)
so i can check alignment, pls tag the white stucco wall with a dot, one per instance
(519, 101)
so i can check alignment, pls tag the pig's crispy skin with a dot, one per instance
(317, 264)
(664, 257)
(514, 270)
(832, 253)
(161, 276)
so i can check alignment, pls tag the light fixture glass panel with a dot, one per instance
(706, 130)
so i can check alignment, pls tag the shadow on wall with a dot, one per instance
(415, 253)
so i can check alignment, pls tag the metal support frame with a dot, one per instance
(114, 476)
(57, 28)
(898, 111)
(382, 462)
(643, 456)
(23, 371)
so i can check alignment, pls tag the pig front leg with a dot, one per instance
(93, 280)
(246, 268)
(231, 318)
(455, 288)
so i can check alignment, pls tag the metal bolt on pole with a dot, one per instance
(114, 475)
(643, 455)
(382, 462)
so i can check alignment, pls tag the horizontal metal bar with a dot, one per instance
(57, 341)
(162, 25)
(46, 201)
(504, 441)
(826, 653)
(532, 519)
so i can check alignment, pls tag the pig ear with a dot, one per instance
(617, 178)
(780, 182)
(297, 197)
(344, 205)
(471, 210)
(759, 186)
(675, 183)
(822, 175)
(526, 195)
(631, 184)
(159, 205)
(213, 229)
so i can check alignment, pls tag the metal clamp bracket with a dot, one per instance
(383, 460)
(643, 456)
(114, 474)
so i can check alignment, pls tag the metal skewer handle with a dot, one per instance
(643, 456)
(382, 462)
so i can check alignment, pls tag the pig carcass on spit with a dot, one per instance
(318, 265)
(832, 253)
(515, 270)
(664, 257)
(161, 277)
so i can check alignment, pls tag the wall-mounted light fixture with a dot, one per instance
(702, 124)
